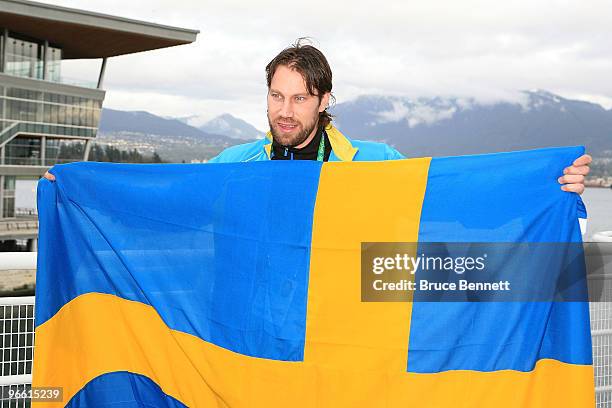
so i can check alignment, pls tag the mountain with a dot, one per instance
(416, 127)
(452, 126)
(232, 126)
(142, 122)
(172, 139)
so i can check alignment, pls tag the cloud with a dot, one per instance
(471, 49)
(416, 113)
(253, 110)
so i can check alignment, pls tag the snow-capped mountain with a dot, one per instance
(231, 126)
(172, 139)
(147, 123)
(452, 126)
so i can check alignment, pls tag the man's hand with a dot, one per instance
(49, 176)
(573, 176)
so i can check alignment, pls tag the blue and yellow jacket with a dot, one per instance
(343, 149)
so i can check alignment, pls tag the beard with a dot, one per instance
(295, 138)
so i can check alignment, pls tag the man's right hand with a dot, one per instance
(49, 176)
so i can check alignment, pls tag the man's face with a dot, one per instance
(293, 114)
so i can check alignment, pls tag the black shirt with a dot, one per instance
(308, 152)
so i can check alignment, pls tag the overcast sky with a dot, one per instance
(483, 49)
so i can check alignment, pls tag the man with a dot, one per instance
(299, 83)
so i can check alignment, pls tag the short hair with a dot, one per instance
(312, 65)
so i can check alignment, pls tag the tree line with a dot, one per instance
(106, 153)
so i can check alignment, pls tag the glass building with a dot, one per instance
(45, 118)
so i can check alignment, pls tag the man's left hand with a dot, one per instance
(573, 176)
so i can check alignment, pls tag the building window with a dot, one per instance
(49, 113)
(8, 208)
(23, 151)
(20, 109)
(51, 107)
(8, 196)
(63, 151)
(23, 58)
(9, 182)
(54, 64)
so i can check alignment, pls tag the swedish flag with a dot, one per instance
(238, 285)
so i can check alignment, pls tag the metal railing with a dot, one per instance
(36, 73)
(601, 334)
(16, 349)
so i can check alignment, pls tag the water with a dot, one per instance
(599, 208)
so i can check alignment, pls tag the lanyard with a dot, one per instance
(320, 152)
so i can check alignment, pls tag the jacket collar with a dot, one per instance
(341, 145)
